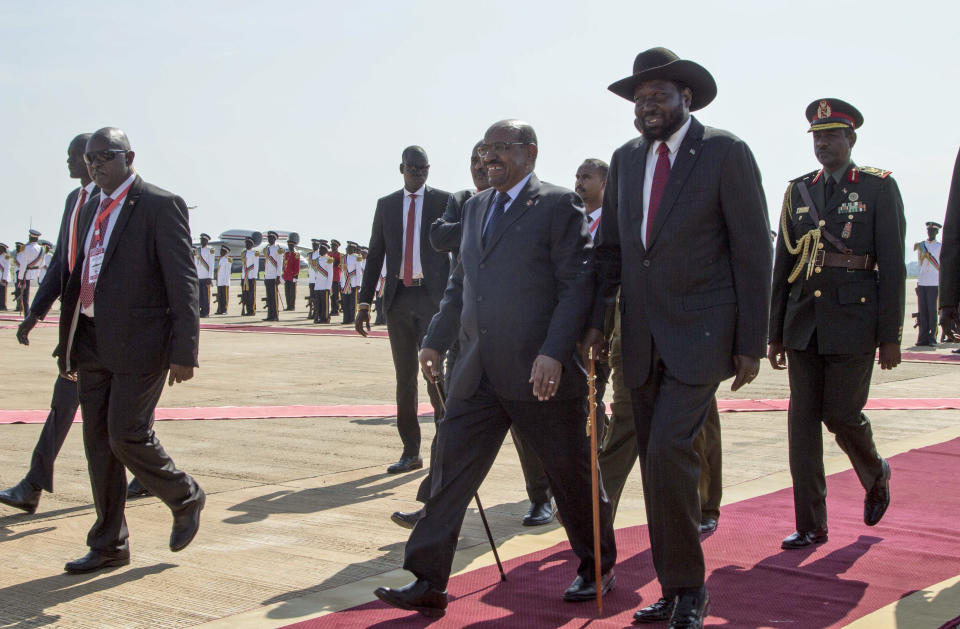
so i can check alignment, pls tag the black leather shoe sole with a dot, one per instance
(100, 565)
(23, 506)
(385, 595)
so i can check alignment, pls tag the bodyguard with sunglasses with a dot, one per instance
(129, 317)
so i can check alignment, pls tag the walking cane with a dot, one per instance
(595, 481)
(476, 496)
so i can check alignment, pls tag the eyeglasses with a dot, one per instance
(105, 155)
(497, 147)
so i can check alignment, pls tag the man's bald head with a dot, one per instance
(414, 166)
(509, 153)
(112, 137)
(522, 130)
(109, 158)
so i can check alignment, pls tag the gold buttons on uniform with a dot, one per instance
(849, 217)
(822, 222)
(863, 300)
(816, 293)
(819, 245)
(817, 269)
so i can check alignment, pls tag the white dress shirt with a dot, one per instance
(673, 144)
(405, 208)
(108, 230)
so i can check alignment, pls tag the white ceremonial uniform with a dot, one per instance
(29, 261)
(251, 265)
(324, 276)
(929, 275)
(223, 271)
(311, 271)
(47, 257)
(204, 260)
(273, 262)
(4, 267)
(355, 278)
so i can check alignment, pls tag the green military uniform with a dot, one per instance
(831, 307)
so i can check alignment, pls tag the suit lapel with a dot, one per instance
(638, 164)
(687, 156)
(426, 218)
(394, 227)
(129, 205)
(528, 197)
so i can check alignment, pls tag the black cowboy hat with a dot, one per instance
(660, 63)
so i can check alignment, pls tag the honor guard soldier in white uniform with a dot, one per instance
(4, 275)
(351, 282)
(928, 279)
(224, 264)
(323, 283)
(203, 259)
(272, 269)
(28, 269)
(47, 257)
(312, 278)
(251, 270)
(337, 279)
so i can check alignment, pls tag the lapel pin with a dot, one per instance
(693, 151)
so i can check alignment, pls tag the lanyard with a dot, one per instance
(104, 214)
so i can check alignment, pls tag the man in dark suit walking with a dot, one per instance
(416, 275)
(838, 296)
(130, 316)
(26, 494)
(445, 237)
(685, 236)
(517, 366)
(950, 262)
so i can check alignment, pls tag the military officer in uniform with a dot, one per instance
(351, 282)
(838, 294)
(4, 275)
(337, 279)
(224, 265)
(928, 277)
(312, 279)
(950, 263)
(271, 274)
(250, 271)
(203, 257)
(29, 260)
(291, 271)
(324, 281)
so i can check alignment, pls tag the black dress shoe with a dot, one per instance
(418, 596)
(406, 464)
(582, 590)
(98, 560)
(136, 489)
(708, 525)
(658, 612)
(23, 496)
(407, 520)
(878, 498)
(802, 539)
(690, 610)
(187, 523)
(540, 513)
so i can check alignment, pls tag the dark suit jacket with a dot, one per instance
(386, 243)
(950, 249)
(850, 311)
(146, 309)
(58, 272)
(445, 232)
(701, 290)
(528, 292)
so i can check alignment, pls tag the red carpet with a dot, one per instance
(388, 410)
(752, 582)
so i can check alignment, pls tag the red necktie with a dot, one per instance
(73, 229)
(408, 242)
(660, 176)
(86, 286)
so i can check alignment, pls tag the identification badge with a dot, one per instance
(846, 230)
(852, 207)
(803, 209)
(96, 261)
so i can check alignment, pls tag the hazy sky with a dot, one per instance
(292, 115)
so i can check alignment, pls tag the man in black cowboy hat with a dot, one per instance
(684, 236)
(950, 263)
(838, 295)
(928, 277)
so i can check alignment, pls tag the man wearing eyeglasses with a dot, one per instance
(129, 322)
(416, 276)
(518, 365)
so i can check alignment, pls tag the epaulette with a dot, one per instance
(876, 172)
(813, 173)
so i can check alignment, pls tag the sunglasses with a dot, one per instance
(105, 155)
(497, 147)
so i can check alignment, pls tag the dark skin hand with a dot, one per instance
(179, 373)
(889, 355)
(544, 375)
(950, 322)
(593, 339)
(23, 330)
(430, 364)
(361, 320)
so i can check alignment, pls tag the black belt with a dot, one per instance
(413, 282)
(847, 261)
